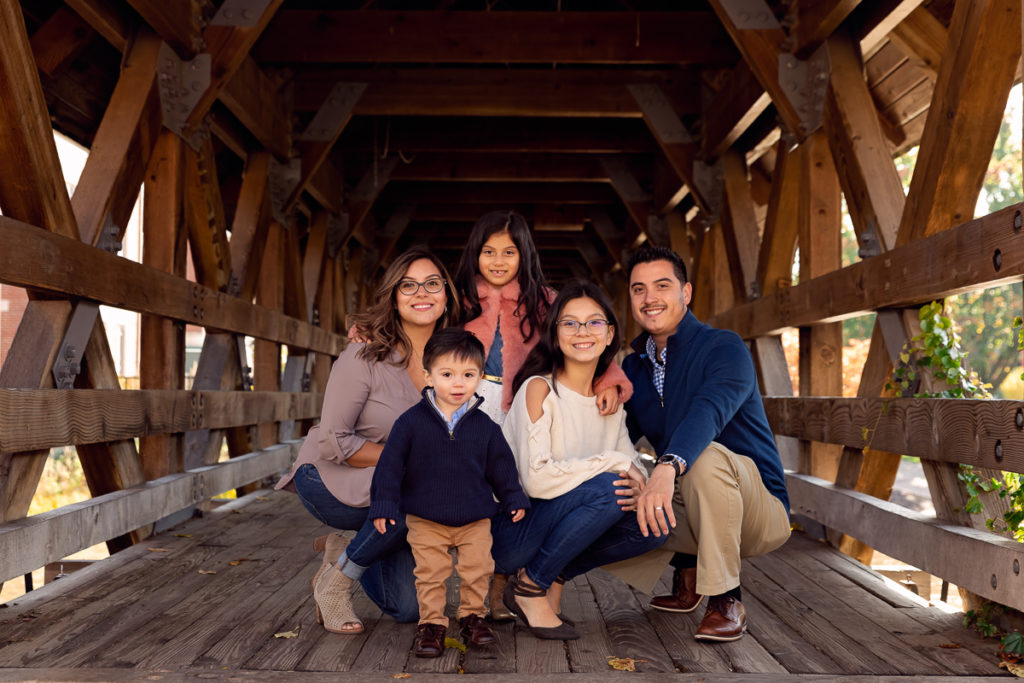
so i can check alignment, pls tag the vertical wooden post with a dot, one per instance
(821, 346)
(267, 354)
(162, 342)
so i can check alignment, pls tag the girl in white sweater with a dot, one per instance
(569, 457)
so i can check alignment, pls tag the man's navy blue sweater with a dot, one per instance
(445, 476)
(711, 394)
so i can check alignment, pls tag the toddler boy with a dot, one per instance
(442, 466)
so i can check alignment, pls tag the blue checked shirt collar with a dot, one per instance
(658, 361)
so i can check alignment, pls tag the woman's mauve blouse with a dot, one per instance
(362, 401)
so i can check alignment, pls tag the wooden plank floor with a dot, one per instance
(206, 600)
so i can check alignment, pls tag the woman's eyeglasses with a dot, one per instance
(431, 286)
(595, 326)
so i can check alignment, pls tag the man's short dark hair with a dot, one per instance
(649, 253)
(452, 340)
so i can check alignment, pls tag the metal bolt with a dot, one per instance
(999, 450)
(1017, 222)
(195, 311)
(1016, 567)
(70, 352)
(993, 582)
(997, 260)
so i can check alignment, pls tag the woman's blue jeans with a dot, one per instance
(388, 577)
(555, 533)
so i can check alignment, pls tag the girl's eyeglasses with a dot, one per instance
(595, 326)
(410, 287)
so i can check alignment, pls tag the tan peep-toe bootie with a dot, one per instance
(331, 545)
(333, 595)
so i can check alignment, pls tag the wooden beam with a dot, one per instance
(207, 229)
(177, 23)
(162, 341)
(500, 194)
(116, 166)
(257, 103)
(508, 37)
(958, 260)
(36, 193)
(733, 110)
(821, 346)
(483, 167)
(104, 18)
(267, 354)
(636, 200)
(740, 224)
(977, 560)
(228, 47)
(872, 22)
(60, 40)
(34, 419)
(811, 23)
(874, 193)
(30, 543)
(482, 92)
(971, 90)
(502, 135)
(922, 38)
(140, 288)
(761, 48)
(778, 245)
(976, 432)
(318, 139)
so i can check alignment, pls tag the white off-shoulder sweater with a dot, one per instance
(569, 444)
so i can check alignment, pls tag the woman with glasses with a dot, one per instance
(571, 459)
(371, 384)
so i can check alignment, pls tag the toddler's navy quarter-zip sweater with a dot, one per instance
(448, 477)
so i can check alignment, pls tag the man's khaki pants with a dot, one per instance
(430, 543)
(723, 513)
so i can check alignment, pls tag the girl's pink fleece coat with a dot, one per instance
(514, 350)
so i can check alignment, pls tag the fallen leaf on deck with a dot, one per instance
(457, 644)
(951, 646)
(235, 563)
(1016, 668)
(287, 634)
(183, 535)
(158, 550)
(207, 571)
(401, 675)
(236, 512)
(624, 663)
(262, 498)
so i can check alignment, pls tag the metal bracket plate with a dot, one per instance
(333, 113)
(750, 15)
(660, 113)
(240, 13)
(283, 179)
(68, 364)
(805, 83)
(710, 182)
(869, 244)
(110, 236)
(181, 85)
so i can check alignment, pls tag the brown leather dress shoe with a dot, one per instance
(498, 610)
(725, 620)
(684, 597)
(475, 631)
(430, 640)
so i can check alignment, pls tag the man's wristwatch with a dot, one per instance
(671, 460)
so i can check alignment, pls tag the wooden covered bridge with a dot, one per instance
(289, 150)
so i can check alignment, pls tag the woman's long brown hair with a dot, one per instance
(380, 324)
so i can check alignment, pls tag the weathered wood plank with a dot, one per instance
(30, 543)
(40, 260)
(626, 621)
(571, 37)
(36, 193)
(59, 40)
(983, 252)
(977, 560)
(778, 244)
(123, 143)
(977, 432)
(32, 419)
(207, 228)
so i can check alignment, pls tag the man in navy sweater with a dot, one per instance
(718, 489)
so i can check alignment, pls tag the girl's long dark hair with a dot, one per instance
(380, 324)
(532, 302)
(546, 357)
